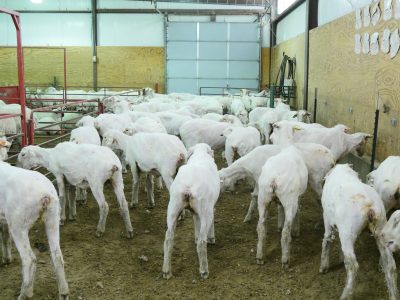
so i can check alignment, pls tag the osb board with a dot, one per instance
(348, 83)
(131, 66)
(42, 65)
(293, 48)
(265, 63)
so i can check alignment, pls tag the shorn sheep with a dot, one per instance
(26, 196)
(4, 147)
(195, 187)
(283, 176)
(82, 166)
(349, 207)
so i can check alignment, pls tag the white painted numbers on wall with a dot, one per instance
(374, 45)
(385, 46)
(394, 43)
(388, 12)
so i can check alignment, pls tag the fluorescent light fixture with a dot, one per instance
(36, 1)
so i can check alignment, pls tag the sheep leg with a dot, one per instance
(28, 259)
(290, 214)
(174, 209)
(253, 205)
(97, 191)
(167, 178)
(264, 198)
(5, 241)
(350, 262)
(63, 200)
(326, 246)
(229, 155)
(118, 185)
(205, 224)
(389, 267)
(281, 217)
(123, 163)
(196, 222)
(211, 234)
(296, 223)
(71, 205)
(53, 236)
(150, 191)
(135, 186)
(160, 183)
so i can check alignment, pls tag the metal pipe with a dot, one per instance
(65, 75)
(375, 140)
(315, 106)
(306, 56)
(94, 43)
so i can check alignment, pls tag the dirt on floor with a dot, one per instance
(110, 267)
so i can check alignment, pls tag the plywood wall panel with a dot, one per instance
(131, 66)
(293, 48)
(265, 63)
(348, 83)
(42, 65)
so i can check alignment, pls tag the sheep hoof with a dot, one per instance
(62, 222)
(285, 265)
(99, 233)
(211, 241)
(72, 218)
(133, 205)
(247, 219)
(129, 234)
(151, 206)
(6, 260)
(323, 270)
(167, 275)
(260, 261)
(296, 234)
(204, 275)
(64, 297)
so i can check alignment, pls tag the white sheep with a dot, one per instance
(198, 131)
(196, 187)
(349, 207)
(48, 128)
(336, 139)
(318, 159)
(25, 196)
(238, 109)
(386, 181)
(82, 166)
(4, 148)
(239, 142)
(172, 121)
(152, 153)
(145, 124)
(283, 176)
(391, 232)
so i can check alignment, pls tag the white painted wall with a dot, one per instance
(50, 29)
(130, 30)
(47, 5)
(292, 25)
(329, 10)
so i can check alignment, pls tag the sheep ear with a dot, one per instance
(295, 115)
(227, 132)
(368, 136)
(308, 114)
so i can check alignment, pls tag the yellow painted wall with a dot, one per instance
(348, 83)
(293, 48)
(117, 66)
(131, 66)
(265, 63)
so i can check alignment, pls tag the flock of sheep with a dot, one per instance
(171, 139)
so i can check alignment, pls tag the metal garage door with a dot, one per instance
(201, 55)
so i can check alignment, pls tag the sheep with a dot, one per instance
(318, 159)
(48, 128)
(4, 148)
(386, 181)
(239, 110)
(283, 176)
(390, 232)
(203, 131)
(335, 138)
(85, 135)
(240, 141)
(196, 186)
(153, 153)
(104, 122)
(349, 207)
(173, 121)
(82, 166)
(145, 125)
(26, 196)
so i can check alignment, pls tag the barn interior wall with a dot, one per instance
(293, 48)
(348, 83)
(117, 66)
